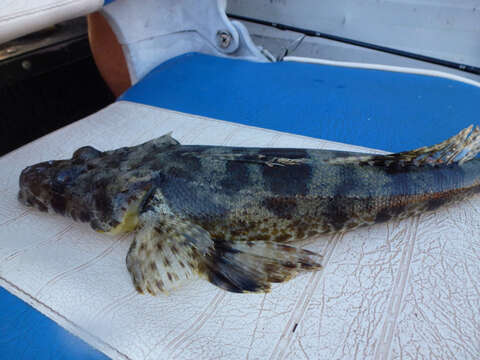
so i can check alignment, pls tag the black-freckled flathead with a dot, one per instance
(233, 215)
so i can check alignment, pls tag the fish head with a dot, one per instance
(93, 186)
(107, 189)
(61, 186)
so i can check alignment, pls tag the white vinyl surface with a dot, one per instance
(408, 289)
(21, 17)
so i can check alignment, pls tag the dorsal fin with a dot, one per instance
(165, 140)
(458, 149)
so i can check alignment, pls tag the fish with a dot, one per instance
(237, 216)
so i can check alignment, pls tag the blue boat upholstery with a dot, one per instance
(384, 110)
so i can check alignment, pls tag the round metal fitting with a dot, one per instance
(224, 39)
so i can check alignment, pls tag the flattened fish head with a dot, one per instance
(53, 185)
(89, 187)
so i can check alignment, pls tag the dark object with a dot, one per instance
(309, 32)
(47, 80)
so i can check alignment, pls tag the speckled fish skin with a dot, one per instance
(223, 196)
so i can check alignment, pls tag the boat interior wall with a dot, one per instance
(277, 41)
(443, 29)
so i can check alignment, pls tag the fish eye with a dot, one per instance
(63, 177)
(86, 153)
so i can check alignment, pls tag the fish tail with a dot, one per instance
(251, 266)
(458, 149)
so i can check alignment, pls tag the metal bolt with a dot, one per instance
(224, 38)
(26, 64)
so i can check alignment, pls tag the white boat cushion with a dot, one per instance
(400, 289)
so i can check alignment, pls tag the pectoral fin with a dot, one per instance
(170, 250)
(166, 252)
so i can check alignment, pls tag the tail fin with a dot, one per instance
(251, 266)
(458, 149)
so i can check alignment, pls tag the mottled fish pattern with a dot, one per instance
(232, 214)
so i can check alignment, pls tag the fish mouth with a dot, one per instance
(30, 200)
(24, 195)
(30, 182)
(22, 198)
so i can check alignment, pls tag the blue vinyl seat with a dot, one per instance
(379, 109)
